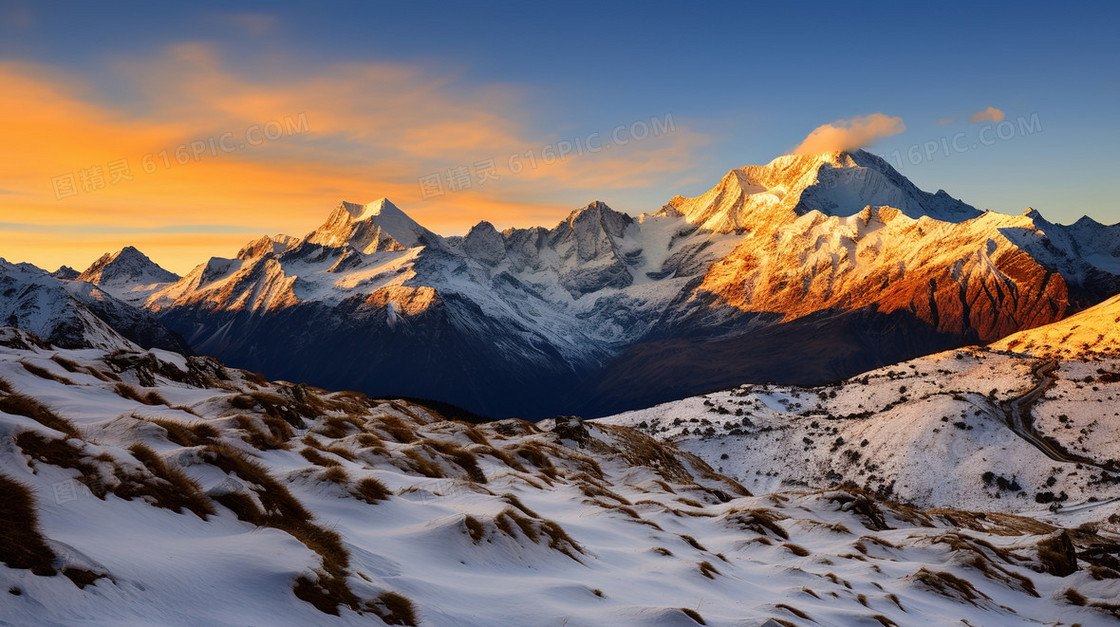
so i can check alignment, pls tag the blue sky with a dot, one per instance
(742, 83)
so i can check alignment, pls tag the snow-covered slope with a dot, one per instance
(127, 274)
(148, 488)
(938, 431)
(1093, 331)
(835, 263)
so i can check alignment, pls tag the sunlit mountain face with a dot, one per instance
(420, 315)
(803, 271)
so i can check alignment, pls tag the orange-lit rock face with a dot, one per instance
(958, 277)
(402, 300)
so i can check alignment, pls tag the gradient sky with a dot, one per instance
(380, 96)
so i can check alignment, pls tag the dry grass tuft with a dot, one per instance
(394, 609)
(760, 521)
(43, 373)
(792, 610)
(693, 543)
(21, 542)
(336, 474)
(460, 457)
(796, 549)
(275, 498)
(21, 405)
(317, 458)
(187, 435)
(1073, 597)
(174, 490)
(693, 614)
(371, 491)
(129, 392)
(949, 585)
(708, 570)
(475, 529)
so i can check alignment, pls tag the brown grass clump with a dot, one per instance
(1073, 597)
(394, 609)
(129, 392)
(512, 499)
(693, 543)
(460, 457)
(793, 610)
(272, 405)
(174, 490)
(474, 528)
(43, 373)
(21, 542)
(708, 570)
(420, 464)
(760, 521)
(334, 428)
(693, 614)
(183, 434)
(276, 498)
(21, 405)
(796, 549)
(336, 474)
(81, 577)
(949, 585)
(261, 439)
(884, 621)
(317, 458)
(243, 507)
(537, 455)
(60, 452)
(394, 428)
(371, 490)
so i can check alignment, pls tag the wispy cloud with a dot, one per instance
(991, 114)
(850, 134)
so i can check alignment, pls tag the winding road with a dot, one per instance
(1017, 413)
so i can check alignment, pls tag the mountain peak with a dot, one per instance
(128, 267)
(66, 273)
(837, 183)
(377, 226)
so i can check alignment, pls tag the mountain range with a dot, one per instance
(809, 269)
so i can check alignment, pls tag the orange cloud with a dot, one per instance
(991, 114)
(355, 132)
(850, 134)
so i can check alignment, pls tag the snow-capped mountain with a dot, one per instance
(128, 274)
(66, 273)
(805, 270)
(76, 314)
(148, 487)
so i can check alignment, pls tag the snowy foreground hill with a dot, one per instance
(150, 488)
